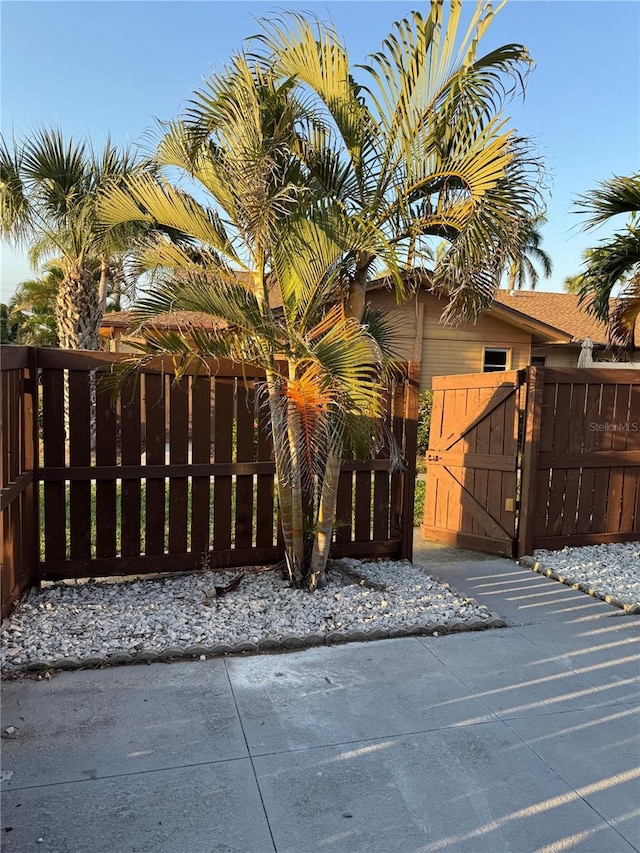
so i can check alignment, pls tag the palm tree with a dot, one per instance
(266, 229)
(615, 261)
(523, 266)
(418, 149)
(32, 307)
(48, 192)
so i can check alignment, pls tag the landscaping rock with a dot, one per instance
(94, 623)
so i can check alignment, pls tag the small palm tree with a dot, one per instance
(265, 230)
(32, 307)
(522, 268)
(614, 262)
(48, 192)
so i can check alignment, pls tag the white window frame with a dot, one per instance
(507, 364)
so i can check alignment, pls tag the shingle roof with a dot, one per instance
(560, 310)
(173, 321)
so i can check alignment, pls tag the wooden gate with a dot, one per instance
(472, 462)
(539, 458)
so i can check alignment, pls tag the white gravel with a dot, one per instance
(609, 570)
(88, 621)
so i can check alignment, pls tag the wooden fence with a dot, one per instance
(18, 473)
(581, 461)
(173, 475)
(542, 458)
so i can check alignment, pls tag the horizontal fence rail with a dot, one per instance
(160, 474)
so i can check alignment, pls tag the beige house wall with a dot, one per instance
(445, 350)
(558, 356)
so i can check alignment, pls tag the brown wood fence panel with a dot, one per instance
(577, 466)
(155, 450)
(130, 454)
(54, 456)
(200, 453)
(178, 456)
(588, 464)
(245, 452)
(264, 482)
(18, 474)
(167, 475)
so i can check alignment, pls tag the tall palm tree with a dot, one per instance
(48, 192)
(522, 268)
(418, 148)
(614, 261)
(265, 229)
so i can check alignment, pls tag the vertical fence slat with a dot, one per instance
(53, 431)
(470, 474)
(498, 426)
(531, 445)
(178, 455)
(616, 474)
(630, 513)
(604, 440)
(432, 482)
(130, 452)
(246, 452)
(155, 443)
(200, 452)
(30, 503)
(8, 575)
(397, 430)
(223, 443)
(381, 486)
(575, 442)
(344, 507)
(106, 443)
(587, 479)
(265, 482)
(79, 454)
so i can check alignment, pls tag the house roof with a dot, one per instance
(174, 321)
(559, 310)
(558, 317)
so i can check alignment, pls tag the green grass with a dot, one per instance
(418, 508)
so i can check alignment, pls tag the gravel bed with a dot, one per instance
(70, 624)
(610, 572)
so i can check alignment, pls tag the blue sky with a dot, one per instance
(112, 67)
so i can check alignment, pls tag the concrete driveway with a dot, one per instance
(521, 739)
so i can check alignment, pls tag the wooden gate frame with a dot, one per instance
(594, 484)
(449, 466)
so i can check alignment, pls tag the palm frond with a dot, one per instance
(620, 194)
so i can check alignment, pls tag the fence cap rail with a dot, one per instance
(13, 358)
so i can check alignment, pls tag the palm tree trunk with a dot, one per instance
(78, 312)
(279, 426)
(357, 292)
(296, 564)
(104, 284)
(326, 518)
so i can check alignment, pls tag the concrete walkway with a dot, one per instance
(521, 739)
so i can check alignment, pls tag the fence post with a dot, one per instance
(31, 463)
(410, 450)
(529, 464)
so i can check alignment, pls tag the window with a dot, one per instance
(538, 360)
(495, 359)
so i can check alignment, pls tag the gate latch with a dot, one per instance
(432, 457)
